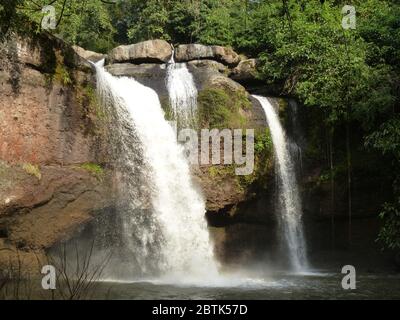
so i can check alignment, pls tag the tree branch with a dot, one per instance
(62, 13)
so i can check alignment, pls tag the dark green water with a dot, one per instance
(323, 285)
(313, 286)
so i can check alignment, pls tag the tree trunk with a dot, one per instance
(349, 181)
(332, 178)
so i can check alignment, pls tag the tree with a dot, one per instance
(353, 76)
(350, 77)
(151, 23)
(8, 10)
(86, 23)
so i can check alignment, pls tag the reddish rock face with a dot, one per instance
(36, 124)
(50, 121)
(43, 120)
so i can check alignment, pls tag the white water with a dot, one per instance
(290, 204)
(178, 228)
(182, 93)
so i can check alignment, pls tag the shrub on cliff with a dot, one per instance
(220, 109)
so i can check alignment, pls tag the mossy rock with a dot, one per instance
(283, 110)
(94, 169)
(50, 55)
(224, 106)
(220, 109)
(166, 106)
(246, 187)
(92, 111)
(33, 170)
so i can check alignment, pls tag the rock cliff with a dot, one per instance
(55, 162)
(53, 146)
(211, 67)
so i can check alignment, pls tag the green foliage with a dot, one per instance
(180, 21)
(94, 169)
(213, 108)
(221, 171)
(151, 23)
(85, 23)
(62, 75)
(262, 166)
(387, 138)
(93, 113)
(7, 14)
(217, 23)
(325, 66)
(326, 175)
(168, 111)
(58, 69)
(33, 170)
(93, 104)
(218, 109)
(263, 143)
(352, 76)
(263, 151)
(390, 231)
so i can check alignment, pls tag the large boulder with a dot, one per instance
(51, 202)
(245, 71)
(89, 55)
(211, 76)
(209, 65)
(151, 51)
(189, 52)
(40, 52)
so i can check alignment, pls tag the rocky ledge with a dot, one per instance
(151, 52)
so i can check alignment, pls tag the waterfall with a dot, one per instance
(289, 198)
(182, 93)
(174, 230)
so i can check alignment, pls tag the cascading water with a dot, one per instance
(290, 204)
(182, 93)
(175, 226)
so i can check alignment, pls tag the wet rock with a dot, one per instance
(150, 75)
